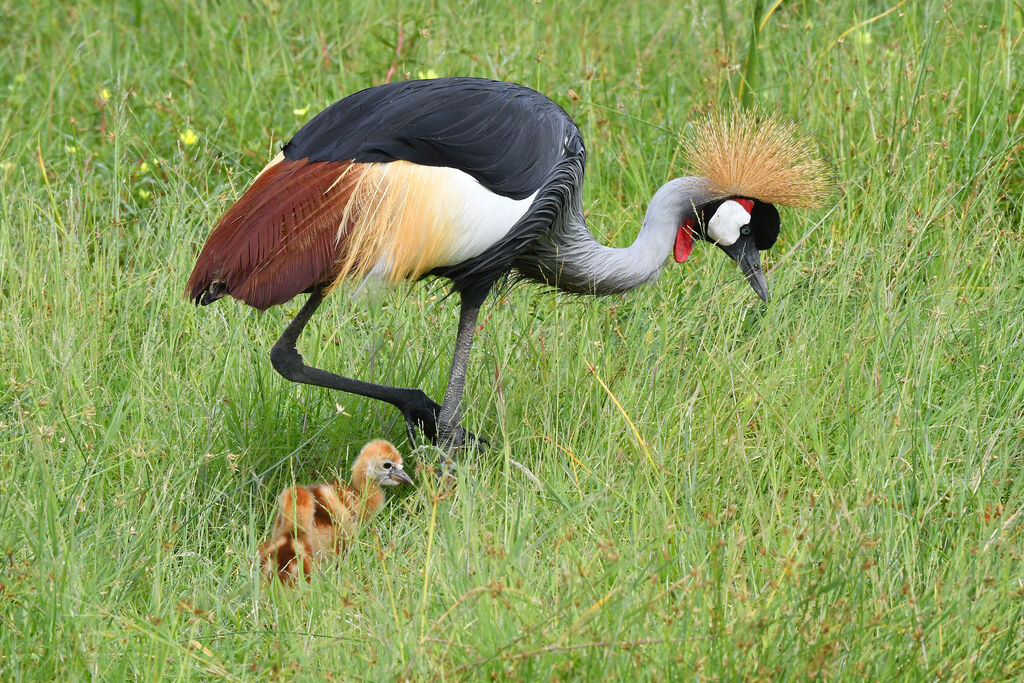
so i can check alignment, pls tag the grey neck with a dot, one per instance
(584, 266)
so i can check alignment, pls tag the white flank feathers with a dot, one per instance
(478, 217)
(454, 219)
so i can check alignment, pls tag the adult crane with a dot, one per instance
(474, 180)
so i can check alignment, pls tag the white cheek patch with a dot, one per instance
(724, 226)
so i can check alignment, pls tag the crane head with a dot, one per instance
(752, 161)
(380, 462)
(740, 227)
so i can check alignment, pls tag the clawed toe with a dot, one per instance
(463, 440)
(421, 414)
(479, 442)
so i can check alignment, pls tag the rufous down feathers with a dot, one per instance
(314, 522)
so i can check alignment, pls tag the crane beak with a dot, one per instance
(744, 253)
(399, 476)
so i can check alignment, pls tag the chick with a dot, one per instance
(316, 521)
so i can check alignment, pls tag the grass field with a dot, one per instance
(683, 482)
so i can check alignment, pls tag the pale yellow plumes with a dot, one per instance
(756, 155)
(273, 162)
(396, 222)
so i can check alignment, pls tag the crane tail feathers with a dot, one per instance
(305, 223)
(282, 237)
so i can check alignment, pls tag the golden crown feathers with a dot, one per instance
(761, 156)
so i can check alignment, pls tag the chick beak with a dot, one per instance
(399, 475)
(745, 253)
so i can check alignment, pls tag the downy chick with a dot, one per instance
(316, 521)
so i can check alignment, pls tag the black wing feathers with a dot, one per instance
(509, 137)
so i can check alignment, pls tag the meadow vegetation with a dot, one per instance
(680, 480)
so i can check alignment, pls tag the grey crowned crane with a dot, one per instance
(474, 180)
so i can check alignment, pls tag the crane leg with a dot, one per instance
(450, 434)
(416, 407)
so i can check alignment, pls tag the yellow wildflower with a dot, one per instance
(104, 94)
(429, 73)
(142, 194)
(188, 137)
(300, 112)
(143, 167)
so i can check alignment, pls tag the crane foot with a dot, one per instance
(421, 414)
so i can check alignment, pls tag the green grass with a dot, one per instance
(830, 485)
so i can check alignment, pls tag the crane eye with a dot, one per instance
(745, 230)
(388, 465)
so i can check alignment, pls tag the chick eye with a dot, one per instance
(388, 465)
(745, 230)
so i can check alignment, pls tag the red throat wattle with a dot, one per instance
(684, 241)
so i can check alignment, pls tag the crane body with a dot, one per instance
(471, 180)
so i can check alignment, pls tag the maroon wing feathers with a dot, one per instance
(280, 238)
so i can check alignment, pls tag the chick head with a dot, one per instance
(381, 463)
